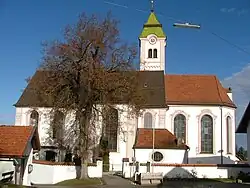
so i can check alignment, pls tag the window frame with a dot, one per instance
(155, 53)
(229, 134)
(180, 118)
(147, 121)
(204, 123)
(32, 119)
(150, 53)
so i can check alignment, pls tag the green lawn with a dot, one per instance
(73, 182)
(224, 180)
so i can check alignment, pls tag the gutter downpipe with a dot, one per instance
(153, 146)
(221, 135)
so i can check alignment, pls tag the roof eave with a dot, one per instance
(11, 156)
(36, 146)
(150, 147)
(200, 103)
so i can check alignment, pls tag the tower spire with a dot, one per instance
(152, 5)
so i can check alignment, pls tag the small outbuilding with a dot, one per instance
(17, 144)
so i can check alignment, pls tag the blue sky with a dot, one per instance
(25, 24)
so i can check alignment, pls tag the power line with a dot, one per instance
(230, 43)
(178, 20)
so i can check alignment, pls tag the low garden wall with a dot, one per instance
(46, 172)
(187, 170)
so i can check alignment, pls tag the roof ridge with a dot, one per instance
(203, 75)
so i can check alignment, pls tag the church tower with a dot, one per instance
(152, 45)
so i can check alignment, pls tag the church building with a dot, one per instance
(188, 119)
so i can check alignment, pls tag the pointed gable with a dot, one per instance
(152, 26)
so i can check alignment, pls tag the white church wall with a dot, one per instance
(169, 155)
(125, 139)
(23, 119)
(159, 118)
(193, 116)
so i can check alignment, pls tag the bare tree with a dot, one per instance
(90, 70)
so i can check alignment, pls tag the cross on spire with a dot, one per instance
(152, 5)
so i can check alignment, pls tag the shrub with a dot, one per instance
(245, 177)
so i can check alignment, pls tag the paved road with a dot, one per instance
(116, 181)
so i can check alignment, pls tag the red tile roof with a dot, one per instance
(161, 90)
(15, 139)
(196, 90)
(163, 139)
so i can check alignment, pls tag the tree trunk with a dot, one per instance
(84, 128)
(84, 170)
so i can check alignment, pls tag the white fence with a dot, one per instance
(45, 172)
(187, 170)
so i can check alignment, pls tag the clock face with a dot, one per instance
(152, 40)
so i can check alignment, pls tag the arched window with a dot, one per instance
(34, 118)
(58, 126)
(155, 53)
(148, 120)
(150, 53)
(180, 127)
(206, 134)
(229, 134)
(111, 122)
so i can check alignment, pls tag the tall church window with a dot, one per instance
(180, 127)
(148, 120)
(150, 53)
(206, 134)
(155, 53)
(229, 134)
(58, 126)
(111, 128)
(34, 118)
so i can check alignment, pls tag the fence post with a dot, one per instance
(148, 166)
(137, 166)
(125, 167)
(99, 165)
